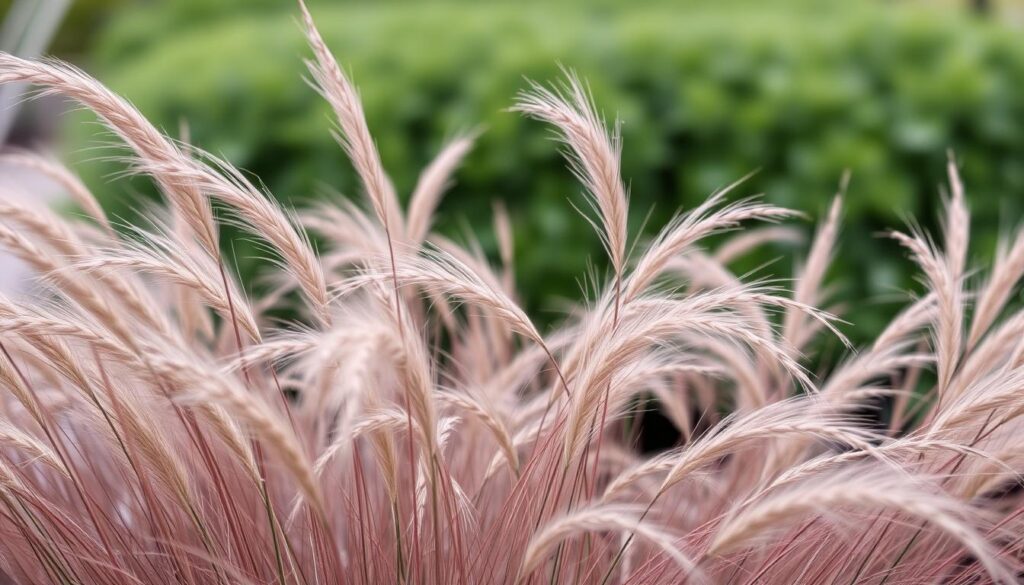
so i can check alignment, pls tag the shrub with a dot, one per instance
(416, 426)
(797, 94)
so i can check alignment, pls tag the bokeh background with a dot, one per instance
(797, 92)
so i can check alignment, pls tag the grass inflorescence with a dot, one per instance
(413, 425)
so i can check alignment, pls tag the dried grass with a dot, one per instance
(413, 424)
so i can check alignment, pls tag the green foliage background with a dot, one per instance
(707, 93)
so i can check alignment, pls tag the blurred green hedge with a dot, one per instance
(706, 94)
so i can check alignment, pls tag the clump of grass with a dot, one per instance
(414, 425)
